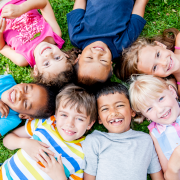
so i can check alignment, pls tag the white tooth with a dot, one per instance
(117, 120)
(111, 121)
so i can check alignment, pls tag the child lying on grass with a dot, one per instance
(23, 101)
(122, 153)
(75, 113)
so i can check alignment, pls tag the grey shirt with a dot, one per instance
(126, 156)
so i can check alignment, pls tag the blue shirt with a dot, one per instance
(109, 21)
(12, 120)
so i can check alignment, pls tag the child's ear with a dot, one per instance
(90, 125)
(99, 120)
(35, 71)
(133, 113)
(77, 59)
(173, 91)
(24, 116)
(160, 44)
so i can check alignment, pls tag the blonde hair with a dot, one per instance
(130, 56)
(145, 87)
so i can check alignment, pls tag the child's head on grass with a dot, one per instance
(94, 64)
(31, 100)
(114, 109)
(154, 98)
(53, 66)
(76, 112)
(151, 56)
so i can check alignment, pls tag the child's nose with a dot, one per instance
(70, 122)
(19, 95)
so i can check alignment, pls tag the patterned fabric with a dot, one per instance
(24, 33)
(168, 136)
(22, 166)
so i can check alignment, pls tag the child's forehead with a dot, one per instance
(112, 97)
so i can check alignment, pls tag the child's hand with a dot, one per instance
(52, 168)
(11, 11)
(4, 109)
(2, 24)
(32, 148)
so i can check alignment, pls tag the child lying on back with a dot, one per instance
(122, 153)
(23, 101)
(156, 99)
(75, 113)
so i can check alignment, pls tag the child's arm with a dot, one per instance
(4, 109)
(2, 28)
(89, 177)
(49, 16)
(80, 4)
(52, 168)
(12, 11)
(139, 7)
(158, 175)
(163, 160)
(173, 168)
(16, 58)
(20, 139)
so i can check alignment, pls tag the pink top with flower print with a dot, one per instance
(24, 33)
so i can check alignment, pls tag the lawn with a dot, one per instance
(160, 15)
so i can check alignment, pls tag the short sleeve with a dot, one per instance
(74, 19)
(77, 175)
(154, 165)
(31, 126)
(133, 30)
(90, 149)
(9, 123)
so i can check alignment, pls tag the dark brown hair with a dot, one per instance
(77, 96)
(130, 55)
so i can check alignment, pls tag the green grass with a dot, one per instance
(160, 15)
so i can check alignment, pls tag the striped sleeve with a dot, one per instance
(31, 126)
(78, 175)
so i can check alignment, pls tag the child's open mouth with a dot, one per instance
(69, 132)
(170, 64)
(12, 96)
(45, 49)
(166, 115)
(98, 48)
(116, 121)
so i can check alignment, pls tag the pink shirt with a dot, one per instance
(24, 33)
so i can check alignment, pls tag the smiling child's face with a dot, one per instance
(158, 61)
(115, 112)
(164, 109)
(25, 98)
(49, 59)
(71, 124)
(95, 61)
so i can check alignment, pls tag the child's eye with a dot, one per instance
(103, 60)
(161, 98)
(154, 68)
(25, 104)
(26, 88)
(80, 119)
(120, 105)
(46, 63)
(158, 54)
(63, 115)
(57, 58)
(90, 57)
(104, 109)
(149, 109)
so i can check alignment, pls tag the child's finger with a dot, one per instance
(41, 160)
(49, 152)
(43, 155)
(59, 158)
(40, 167)
(43, 144)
